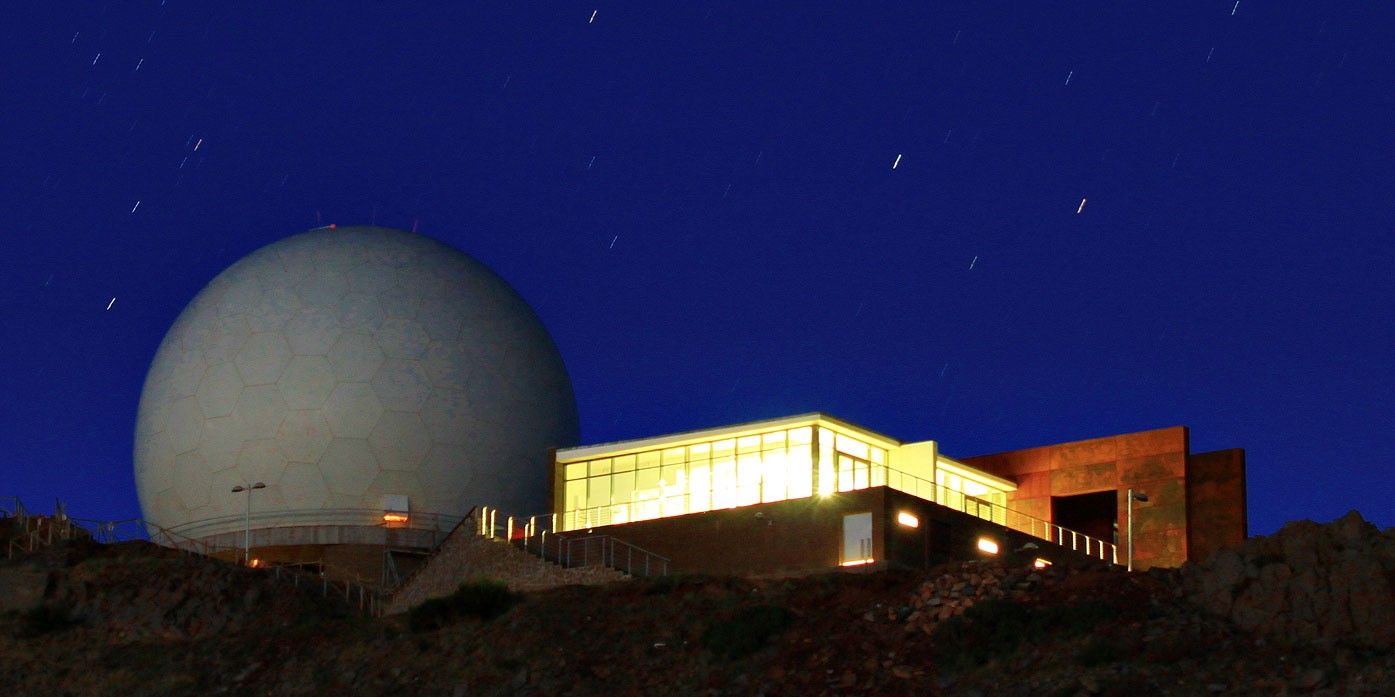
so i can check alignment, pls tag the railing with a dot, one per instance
(538, 535)
(36, 530)
(356, 517)
(12, 507)
(1002, 515)
(316, 574)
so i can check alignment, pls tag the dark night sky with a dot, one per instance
(700, 202)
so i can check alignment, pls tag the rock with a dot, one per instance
(902, 672)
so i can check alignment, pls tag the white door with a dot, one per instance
(857, 538)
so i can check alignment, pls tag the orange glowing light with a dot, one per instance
(908, 520)
(255, 563)
(1041, 563)
(858, 562)
(395, 517)
(987, 545)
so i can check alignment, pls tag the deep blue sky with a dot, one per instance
(700, 202)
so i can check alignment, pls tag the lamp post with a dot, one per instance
(1132, 497)
(247, 521)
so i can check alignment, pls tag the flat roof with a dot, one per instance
(586, 452)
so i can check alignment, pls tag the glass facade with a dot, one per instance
(726, 472)
(747, 468)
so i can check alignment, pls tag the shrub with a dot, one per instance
(745, 632)
(481, 598)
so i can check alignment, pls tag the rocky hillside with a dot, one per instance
(1301, 612)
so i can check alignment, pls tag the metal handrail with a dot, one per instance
(522, 531)
(440, 522)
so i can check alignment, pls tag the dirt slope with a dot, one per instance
(133, 619)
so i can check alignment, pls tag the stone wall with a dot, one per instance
(465, 555)
(1310, 582)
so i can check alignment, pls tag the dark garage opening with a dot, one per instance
(1096, 515)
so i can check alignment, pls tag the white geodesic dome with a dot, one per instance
(340, 366)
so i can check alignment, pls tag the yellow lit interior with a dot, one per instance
(726, 471)
(858, 562)
(987, 545)
(762, 463)
(908, 520)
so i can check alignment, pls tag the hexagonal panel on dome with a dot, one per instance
(191, 479)
(220, 441)
(187, 373)
(402, 385)
(449, 364)
(352, 410)
(399, 440)
(239, 296)
(398, 302)
(302, 486)
(184, 422)
(273, 309)
(262, 358)
(218, 392)
(448, 418)
(312, 331)
(259, 411)
(322, 288)
(303, 436)
(155, 461)
(400, 337)
(372, 278)
(359, 312)
(355, 357)
(307, 382)
(261, 461)
(225, 339)
(394, 482)
(348, 466)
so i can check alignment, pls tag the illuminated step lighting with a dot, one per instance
(987, 545)
(1041, 563)
(908, 520)
(858, 562)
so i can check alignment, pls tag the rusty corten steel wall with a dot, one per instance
(1217, 513)
(1197, 502)
(1152, 462)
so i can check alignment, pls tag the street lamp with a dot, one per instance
(247, 521)
(1133, 497)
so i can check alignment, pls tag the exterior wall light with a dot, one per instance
(395, 509)
(987, 545)
(858, 562)
(908, 520)
(1041, 563)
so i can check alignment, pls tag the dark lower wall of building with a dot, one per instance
(1150, 462)
(795, 536)
(944, 535)
(1217, 512)
(806, 536)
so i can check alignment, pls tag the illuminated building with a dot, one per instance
(812, 491)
